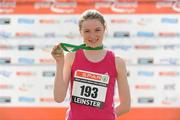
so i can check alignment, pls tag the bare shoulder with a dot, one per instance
(120, 63)
(69, 57)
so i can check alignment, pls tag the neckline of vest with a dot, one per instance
(105, 56)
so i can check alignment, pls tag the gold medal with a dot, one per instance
(58, 51)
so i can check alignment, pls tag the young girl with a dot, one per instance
(92, 75)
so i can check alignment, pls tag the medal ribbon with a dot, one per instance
(65, 47)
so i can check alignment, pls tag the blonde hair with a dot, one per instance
(91, 14)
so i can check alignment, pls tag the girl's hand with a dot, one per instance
(57, 53)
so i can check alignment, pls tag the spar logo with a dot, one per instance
(92, 76)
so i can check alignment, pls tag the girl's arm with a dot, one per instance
(62, 77)
(123, 88)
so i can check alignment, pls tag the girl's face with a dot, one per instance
(92, 32)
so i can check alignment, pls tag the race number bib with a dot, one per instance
(89, 88)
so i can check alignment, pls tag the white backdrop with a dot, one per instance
(150, 45)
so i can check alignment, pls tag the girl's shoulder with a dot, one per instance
(69, 57)
(120, 63)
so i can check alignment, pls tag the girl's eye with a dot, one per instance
(86, 31)
(98, 30)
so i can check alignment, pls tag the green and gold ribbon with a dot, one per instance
(73, 48)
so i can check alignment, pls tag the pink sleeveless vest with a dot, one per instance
(92, 88)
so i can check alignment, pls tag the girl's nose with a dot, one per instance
(93, 36)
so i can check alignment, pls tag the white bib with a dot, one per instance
(89, 88)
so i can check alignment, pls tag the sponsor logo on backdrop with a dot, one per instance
(145, 60)
(44, 4)
(71, 20)
(49, 35)
(25, 34)
(145, 47)
(27, 99)
(164, 4)
(169, 34)
(5, 73)
(170, 87)
(124, 7)
(63, 7)
(42, 99)
(169, 61)
(6, 86)
(5, 99)
(26, 47)
(169, 100)
(57, 7)
(145, 87)
(121, 34)
(169, 73)
(6, 47)
(25, 87)
(145, 73)
(144, 21)
(120, 21)
(48, 73)
(26, 21)
(46, 61)
(4, 60)
(145, 34)
(122, 47)
(48, 87)
(5, 34)
(24, 60)
(99, 5)
(5, 21)
(146, 100)
(49, 21)
(176, 6)
(25, 73)
(169, 20)
(7, 7)
(172, 46)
